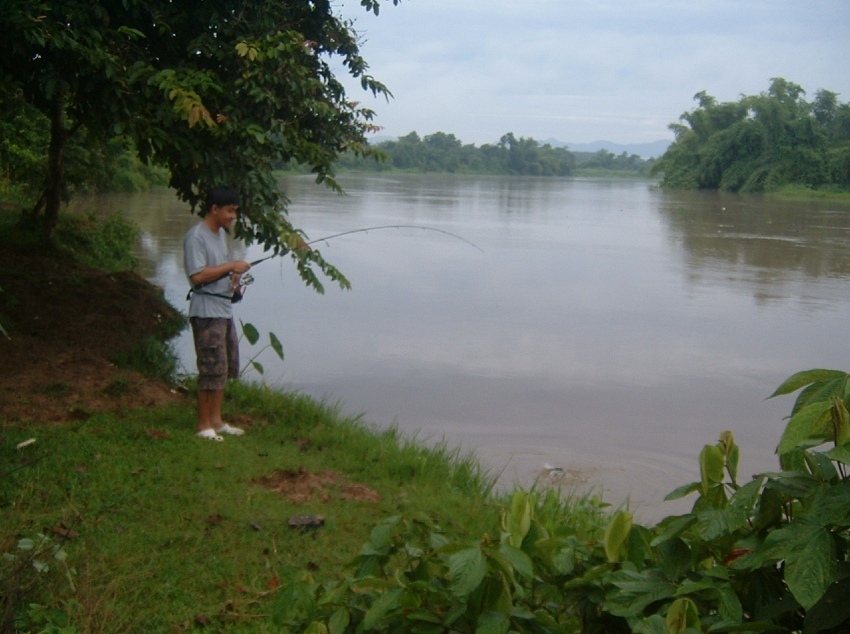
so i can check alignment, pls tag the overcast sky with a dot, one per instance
(586, 70)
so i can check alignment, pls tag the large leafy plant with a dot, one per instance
(767, 555)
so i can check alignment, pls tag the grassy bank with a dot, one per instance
(117, 518)
(157, 530)
(801, 193)
(166, 530)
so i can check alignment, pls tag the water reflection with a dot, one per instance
(775, 248)
(609, 328)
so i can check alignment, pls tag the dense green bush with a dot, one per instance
(92, 165)
(766, 555)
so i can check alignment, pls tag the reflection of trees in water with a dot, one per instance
(161, 217)
(758, 241)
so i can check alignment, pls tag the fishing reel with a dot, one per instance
(239, 291)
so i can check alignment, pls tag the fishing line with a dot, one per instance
(237, 295)
(378, 228)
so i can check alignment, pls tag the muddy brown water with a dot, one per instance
(603, 333)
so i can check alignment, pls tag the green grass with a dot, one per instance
(169, 527)
(800, 192)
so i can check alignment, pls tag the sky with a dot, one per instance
(585, 70)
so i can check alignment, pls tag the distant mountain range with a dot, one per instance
(653, 149)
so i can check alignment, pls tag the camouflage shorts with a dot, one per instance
(217, 349)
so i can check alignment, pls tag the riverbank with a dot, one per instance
(157, 530)
(119, 519)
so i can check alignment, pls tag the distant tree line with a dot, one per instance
(605, 162)
(442, 152)
(761, 143)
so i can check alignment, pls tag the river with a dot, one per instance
(603, 327)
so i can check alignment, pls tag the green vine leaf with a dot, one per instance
(388, 601)
(812, 568)
(251, 333)
(682, 616)
(468, 569)
(711, 463)
(804, 378)
(276, 345)
(616, 535)
(802, 425)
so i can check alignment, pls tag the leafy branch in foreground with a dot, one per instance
(216, 92)
(768, 555)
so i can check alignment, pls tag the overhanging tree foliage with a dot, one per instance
(761, 142)
(218, 91)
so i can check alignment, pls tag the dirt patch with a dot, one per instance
(300, 485)
(67, 323)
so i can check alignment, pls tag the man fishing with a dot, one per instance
(214, 277)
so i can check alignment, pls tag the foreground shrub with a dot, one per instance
(767, 555)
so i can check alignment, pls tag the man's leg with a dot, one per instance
(232, 351)
(210, 346)
(209, 409)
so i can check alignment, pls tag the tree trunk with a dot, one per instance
(55, 165)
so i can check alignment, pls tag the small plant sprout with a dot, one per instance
(252, 335)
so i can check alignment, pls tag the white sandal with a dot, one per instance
(210, 434)
(227, 429)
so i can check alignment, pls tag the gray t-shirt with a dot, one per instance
(203, 248)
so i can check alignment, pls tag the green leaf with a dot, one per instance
(729, 605)
(634, 591)
(673, 526)
(831, 505)
(387, 602)
(820, 466)
(518, 559)
(839, 454)
(731, 451)
(654, 624)
(841, 421)
(616, 534)
(743, 503)
(712, 524)
(293, 603)
(468, 568)
(682, 491)
(711, 465)
(339, 621)
(518, 520)
(802, 425)
(276, 345)
(493, 623)
(804, 378)
(811, 569)
(674, 558)
(681, 616)
(638, 548)
(250, 333)
(831, 611)
(258, 366)
(792, 483)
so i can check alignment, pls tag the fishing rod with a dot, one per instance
(247, 278)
